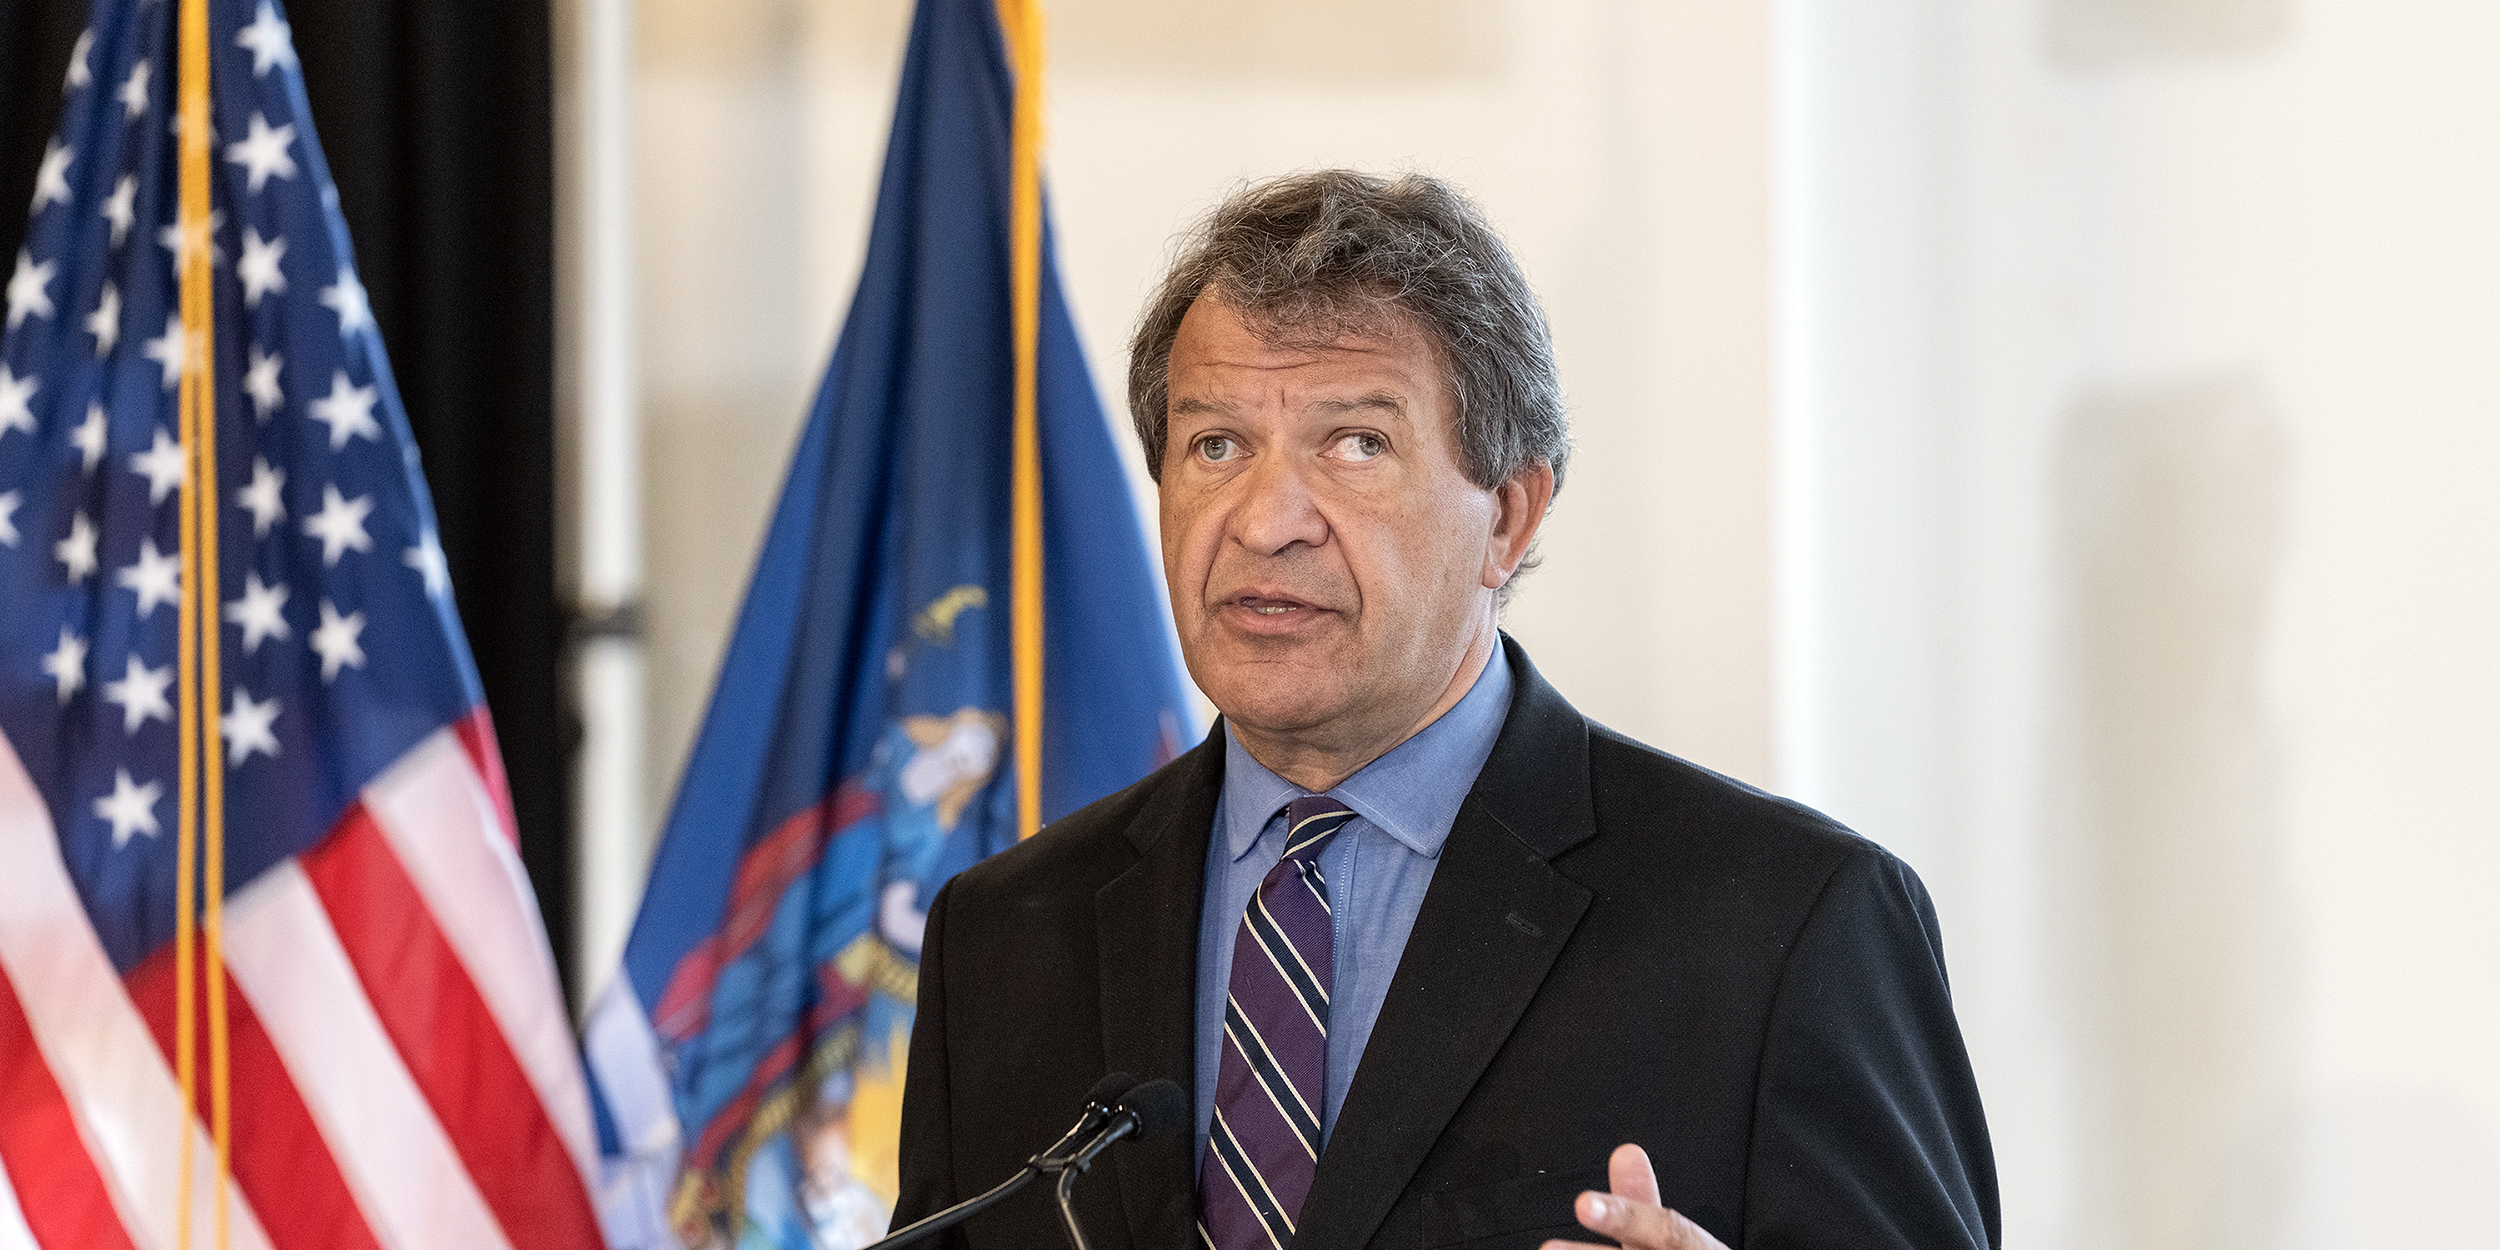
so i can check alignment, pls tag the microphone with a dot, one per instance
(1117, 1108)
(1149, 1111)
(1101, 1102)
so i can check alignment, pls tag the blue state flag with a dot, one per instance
(859, 747)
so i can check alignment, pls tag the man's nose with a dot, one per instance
(1277, 508)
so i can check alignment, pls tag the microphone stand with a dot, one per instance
(961, 1211)
(1058, 1160)
(1122, 1126)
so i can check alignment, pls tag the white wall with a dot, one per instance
(2137, 531)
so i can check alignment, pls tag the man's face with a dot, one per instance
(1329, 563)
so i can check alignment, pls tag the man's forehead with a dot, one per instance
(1380, 401)
(1226, 364)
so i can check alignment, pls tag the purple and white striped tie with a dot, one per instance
(1264, 1143)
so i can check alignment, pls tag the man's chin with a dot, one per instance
(1296, 680)
(1273, 705)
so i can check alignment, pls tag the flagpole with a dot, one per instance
(1020, 22)
(202, 760)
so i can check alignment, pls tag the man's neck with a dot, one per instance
(1318, 762)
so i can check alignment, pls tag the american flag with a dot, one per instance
(403, 1072)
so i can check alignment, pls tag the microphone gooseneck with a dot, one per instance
(1117, 1108)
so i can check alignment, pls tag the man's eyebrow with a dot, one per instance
(1376, 401)
(1195, 407)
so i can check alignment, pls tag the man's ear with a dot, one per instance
(1519, 507)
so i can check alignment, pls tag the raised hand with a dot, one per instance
(1631, 1212)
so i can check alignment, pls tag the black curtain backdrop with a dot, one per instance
(437, 118)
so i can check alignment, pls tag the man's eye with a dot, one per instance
(1360, 446)
(1215, 448)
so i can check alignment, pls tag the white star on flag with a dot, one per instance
(340, 524)
(166, 350)
(88, 438)
(9, 503)
(120, 208)
(261, 498)
(348, 410)
(52, 176)
(161, 464)
(130, 808)
(14, 392)
(141, 694)
(269, 40)
(258, 613)
(259, 267)
(105, 323)
(347, 297)
(261, 383)
(174, 238)
(79, 75)
(26, 293)
(246, 729)
(263, 152)
(427, 559)
(335, 640)
(66, 664)
(157, 577)
(77, 552)
(134, 92)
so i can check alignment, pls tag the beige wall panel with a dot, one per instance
(2172, 502)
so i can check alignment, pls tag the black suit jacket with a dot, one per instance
(1616, 946)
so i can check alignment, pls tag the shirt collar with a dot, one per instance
(1412, 793)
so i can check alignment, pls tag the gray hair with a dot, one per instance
(1311, 257)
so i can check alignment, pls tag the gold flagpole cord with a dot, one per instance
(199, 868)
(1020, 21)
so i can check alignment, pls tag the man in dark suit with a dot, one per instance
(1441, 962)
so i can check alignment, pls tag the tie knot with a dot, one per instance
(1310, 821)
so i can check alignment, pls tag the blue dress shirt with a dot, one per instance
(1377, 871)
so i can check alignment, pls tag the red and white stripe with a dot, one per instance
(14, 1235)
(403, 1072)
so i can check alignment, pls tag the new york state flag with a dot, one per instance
(748, 1060)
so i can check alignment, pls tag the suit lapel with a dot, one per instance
(1496, 916)
(1146, 930)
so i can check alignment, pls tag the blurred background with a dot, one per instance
(2055, 437)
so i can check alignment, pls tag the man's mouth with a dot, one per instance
(1269, 605)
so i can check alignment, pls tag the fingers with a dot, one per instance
(1633, 1214)
(1638, 1225)
(1628, 1174)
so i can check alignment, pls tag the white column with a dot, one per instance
(600, 474)
(1924, 269)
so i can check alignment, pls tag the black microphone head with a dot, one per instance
(1159, 1107)
(1109, 1089)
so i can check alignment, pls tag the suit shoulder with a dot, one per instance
(1080, 846)
(1683, 809)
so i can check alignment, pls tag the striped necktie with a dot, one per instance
(1264, 1143)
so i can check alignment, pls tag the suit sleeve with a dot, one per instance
(926, 1162)
(1867, 1125)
